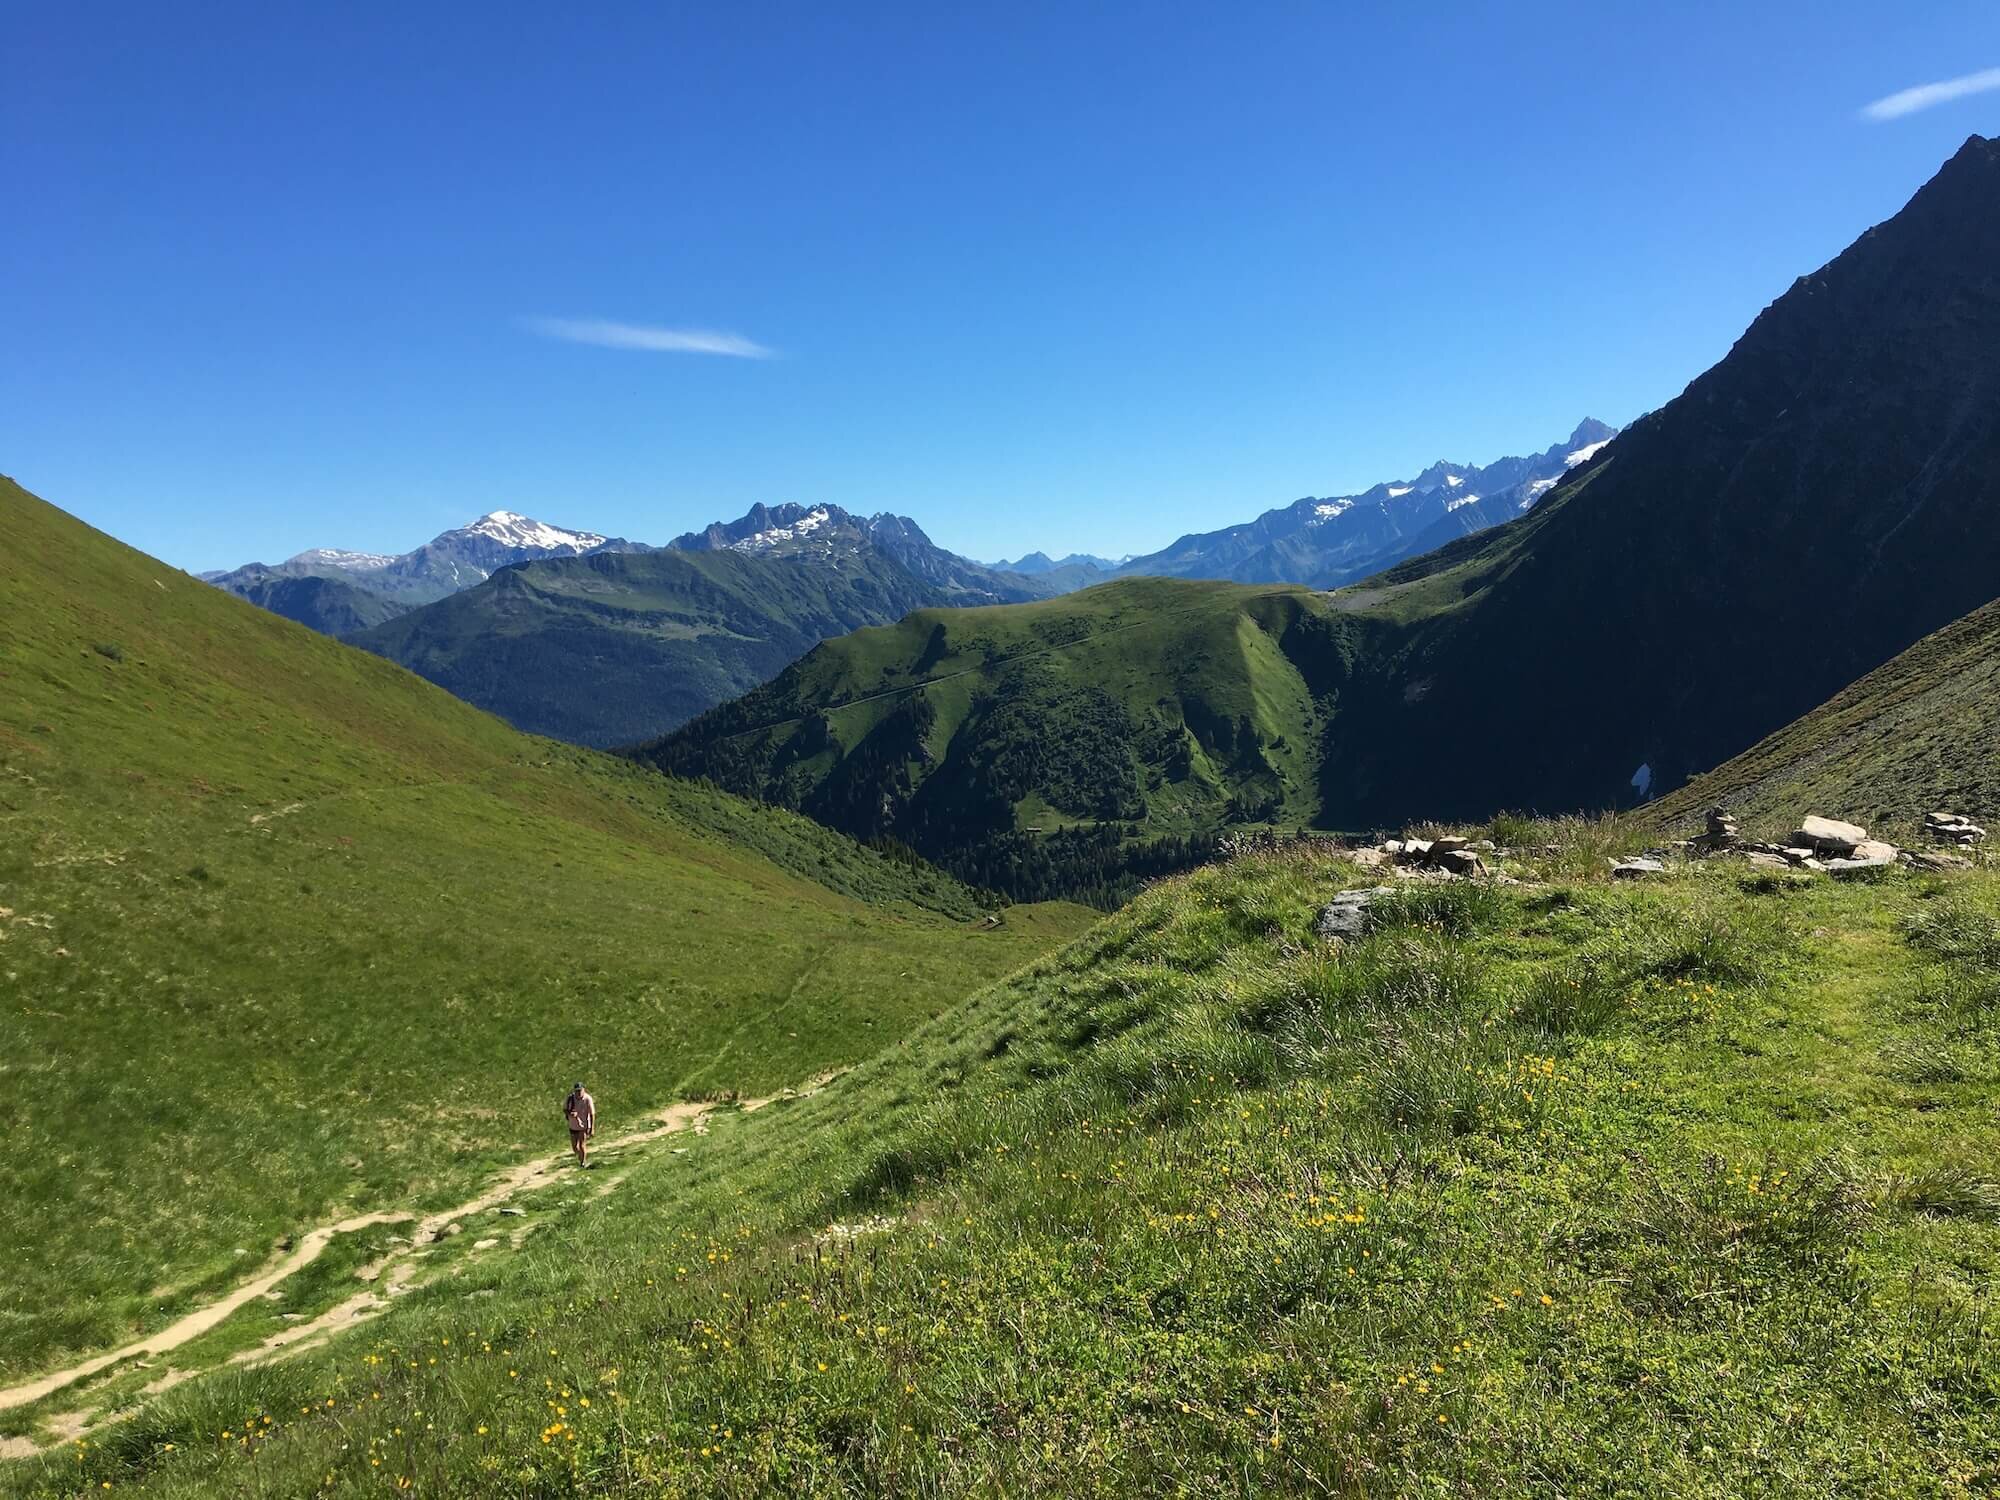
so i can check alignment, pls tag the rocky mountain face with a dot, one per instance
(1819, 500)
(1328, 542)
(828, 533)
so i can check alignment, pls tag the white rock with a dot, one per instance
(1829, 835)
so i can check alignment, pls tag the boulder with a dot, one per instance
(1390, 846)
(1932, 859)
(1461, 861)
(1368, 859)
(1449, 844)
(1346, 915)
(1829, 835)
(1636, 869)
(1796, 854)
(1762, 861)
(1855, 866)
(1875, 850)
(1415, 852)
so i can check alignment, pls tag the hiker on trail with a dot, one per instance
(580, 1112)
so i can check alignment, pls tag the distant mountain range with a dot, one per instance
(1324, 542)
(609, 648)
(1819, 500)
(606, 641)
(453, 560)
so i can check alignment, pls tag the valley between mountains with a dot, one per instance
(1376, 999)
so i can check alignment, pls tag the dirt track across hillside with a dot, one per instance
(386, 1277)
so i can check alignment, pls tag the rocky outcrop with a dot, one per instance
(1414, 858)
(1346, 915)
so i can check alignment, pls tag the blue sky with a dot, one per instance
(1065, 276)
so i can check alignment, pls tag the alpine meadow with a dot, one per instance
(1389, 952)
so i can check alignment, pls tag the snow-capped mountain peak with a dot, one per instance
(512, 529)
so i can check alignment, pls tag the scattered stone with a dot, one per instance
(1450, 844)
(1414, 852)
(1346, 915)
(1875, 849)
(1760, 860)
(513, 1213)
(1794, 854)
(1721, 826)
(1636, 869)
(1857, 865)
(1932, 859)
(448, 1230)
(1462, 862)
(1952, 828)
(1829, 835)
(484, 1244)
(1390, 846)
(1368, 859)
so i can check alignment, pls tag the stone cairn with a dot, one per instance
(1953, 828)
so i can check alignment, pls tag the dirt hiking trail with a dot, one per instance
(386, 1277)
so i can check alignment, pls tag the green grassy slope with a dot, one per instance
(618, 647)
(1918, 734)
(282, 925)
(1679, 1188)
(1020, 743)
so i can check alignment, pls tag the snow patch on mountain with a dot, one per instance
(1397, 491)
(512, 529)
(1461, 502)
(1534, 490)
(806, 524)
(1327, 510)
(334, 557)
(1583, 454)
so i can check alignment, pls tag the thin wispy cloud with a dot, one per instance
(610, 335)
(1929, 95)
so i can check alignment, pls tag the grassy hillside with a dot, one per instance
(283, 927)
(615, 648)
(1050, 746)
(1919, 733)
(1677, 1188)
